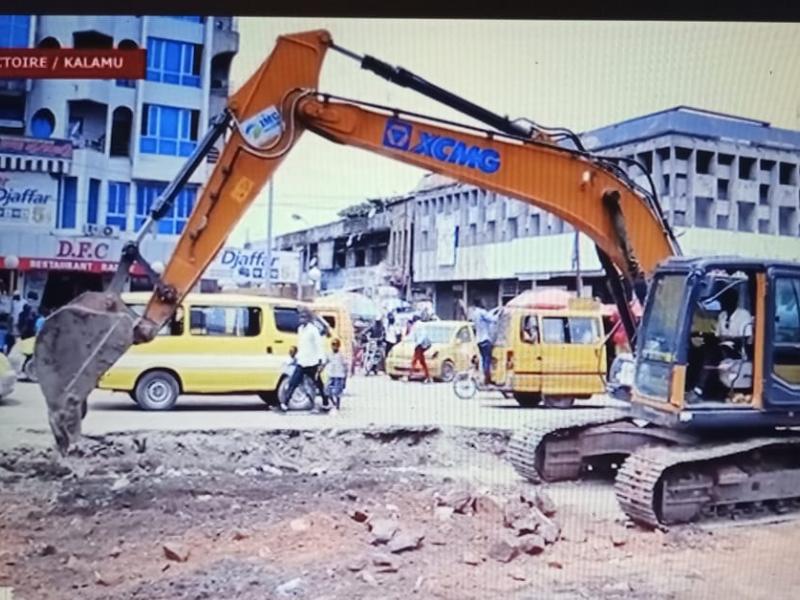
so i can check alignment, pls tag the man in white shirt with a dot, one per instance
(310, 358)
(734, 330)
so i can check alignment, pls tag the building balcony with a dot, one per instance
(13, 86)
(225, 38)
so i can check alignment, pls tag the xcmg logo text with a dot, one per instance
(400, 136)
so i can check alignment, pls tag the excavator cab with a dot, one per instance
(713, 350)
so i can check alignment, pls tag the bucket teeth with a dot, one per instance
(76, 346)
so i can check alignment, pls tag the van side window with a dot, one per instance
(287, 319)
(583, 330)
(529, 329)
(331, 321)
(225, 321)
(173, 327)
(554, 330)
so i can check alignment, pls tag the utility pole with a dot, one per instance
(268, 273)
(578, 278)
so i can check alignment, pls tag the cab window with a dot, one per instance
(463, 335)
(554, 330)
(583, 330)
(173, 327)
(786, 346)
(529, 329)
(330, 320)
(225, 321)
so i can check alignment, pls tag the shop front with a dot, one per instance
(50, 271)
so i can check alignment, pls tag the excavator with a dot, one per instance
(699, 438)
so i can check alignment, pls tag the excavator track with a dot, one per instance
(661, 486)
(527, 447)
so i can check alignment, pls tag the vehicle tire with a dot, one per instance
(448, 372)
(464, 386)
(559, 402)
(301, 399)
(157, 390)
(528, 399)
(133, 396)
(29, 369)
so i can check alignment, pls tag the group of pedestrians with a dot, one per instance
(19, 318)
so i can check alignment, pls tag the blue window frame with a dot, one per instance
(93, 208)
(168, 130)
(175, 220)
(173, 62)
(67, 213)
(117, 208)
(14, 31)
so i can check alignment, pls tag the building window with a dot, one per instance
(473, 234)
(535, 225)
(175, 220)
(747, 168)
(679, 218)
(117, 209)
(191, 18)
(722, 222)
(173, 62)
(763, 226)
(67, 214)
(14, 31)
(787, 220)
(763, 194)
(490, 232)
(424, 241)
(511, 229)
(702, 211)
(722, 189)
(94, 201)
(168, 130)
(746, 216)
(121, 126)
(703, 165)
(43, 123)
(787, 174)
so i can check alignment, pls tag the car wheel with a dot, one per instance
(448, 371)
(528, 399)
(157, 390)
(559, 402)
(30, 370)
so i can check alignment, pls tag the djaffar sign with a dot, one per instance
(251, 265)
(27, 199)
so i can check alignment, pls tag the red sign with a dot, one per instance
(35, 147)
(65, 264)
(68, 63)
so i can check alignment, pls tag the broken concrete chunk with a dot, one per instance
(503, 551)
(176, 552)
(531, 544)
(385, 563)
(359, 564)
(290, 586)
(383, 530)
(549, 530)
(107, 579)
(619, 538)
(299, 525)
(458, 499)
(405, 540)
(443, 513)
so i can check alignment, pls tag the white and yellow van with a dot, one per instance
(215, 344)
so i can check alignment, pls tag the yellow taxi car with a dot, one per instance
(215, 344)
(453, 347)
(552, 354)
(8, 377)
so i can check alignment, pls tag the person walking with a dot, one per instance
(393, 333)
(484, 322)
(310, 359)
(421, 344)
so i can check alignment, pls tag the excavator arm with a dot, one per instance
(263, 121)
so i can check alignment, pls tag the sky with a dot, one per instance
(577, 74)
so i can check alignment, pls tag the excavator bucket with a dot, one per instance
(77, 344)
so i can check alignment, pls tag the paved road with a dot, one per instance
(369, 401)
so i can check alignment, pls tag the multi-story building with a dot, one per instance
(368, 248)
(82, 161)
(728, 185)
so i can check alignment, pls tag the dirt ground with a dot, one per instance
(296, 515)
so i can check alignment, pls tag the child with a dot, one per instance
(291, 363)
(337, 373)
